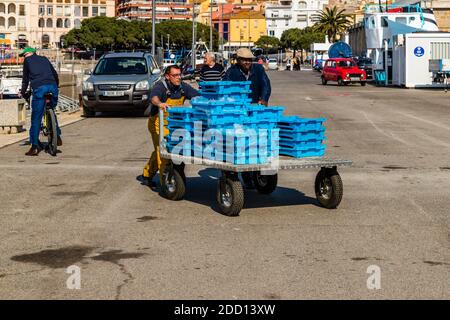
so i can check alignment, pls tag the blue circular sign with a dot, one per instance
(419, 51)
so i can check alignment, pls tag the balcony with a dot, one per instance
(279, 17)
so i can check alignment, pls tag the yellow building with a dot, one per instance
(246, 27)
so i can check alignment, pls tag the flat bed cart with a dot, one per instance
(230, 193)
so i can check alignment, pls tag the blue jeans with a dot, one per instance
(38, 109)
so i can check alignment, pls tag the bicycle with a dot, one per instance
(48, 125)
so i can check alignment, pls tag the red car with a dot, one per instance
(344, 71)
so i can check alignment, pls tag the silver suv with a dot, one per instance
(120, 81)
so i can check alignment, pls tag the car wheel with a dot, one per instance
(88, 112)
(340, 82)
(324, 81)
(363, 83)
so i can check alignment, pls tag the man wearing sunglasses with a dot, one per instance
(168, 92)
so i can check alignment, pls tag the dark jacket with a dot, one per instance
(160, 90)
(260, 85)
(39, 71)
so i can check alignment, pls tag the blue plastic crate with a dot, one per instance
(225, 87)
(221, 117)
(303, 153)
(259, 113)
(243, 95)
(220, 104)
(189, 126)
(295, 145)
(182, 113)
(248, 157)
(261, 124)
(245, 145)
(302, 136)
(297, 124)
(242, 159)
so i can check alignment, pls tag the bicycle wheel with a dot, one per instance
(52, 134)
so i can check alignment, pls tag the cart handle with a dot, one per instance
(161, 127)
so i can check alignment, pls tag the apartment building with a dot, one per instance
(205, 7)
(287, 14)
(165, 9)
(43, 23)
(246, 27)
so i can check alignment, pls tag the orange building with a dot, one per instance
(221, 20)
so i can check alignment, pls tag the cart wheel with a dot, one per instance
(329, 188)
(265, 184)
(230, 195)
(173, 187)
(180, 168)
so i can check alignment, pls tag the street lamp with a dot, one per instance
(249, 27)
(210, 26)
(193, 36)
(153, 27)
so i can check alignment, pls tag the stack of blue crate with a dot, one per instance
(224, 110)
(302, 137)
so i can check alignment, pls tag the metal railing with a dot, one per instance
(66, 104)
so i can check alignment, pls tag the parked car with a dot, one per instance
(344, 71)
(366, 65)
(273, 64)
(120, 81)
(10, 82)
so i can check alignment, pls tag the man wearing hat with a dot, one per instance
(246, 70)
(43, 79)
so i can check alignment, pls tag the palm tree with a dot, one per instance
(332, 22)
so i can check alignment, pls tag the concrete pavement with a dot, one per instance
(85, 208)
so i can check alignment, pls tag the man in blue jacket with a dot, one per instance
(246, 70)
(43, 79)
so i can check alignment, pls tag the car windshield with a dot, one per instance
(272, 60)
(363, 62)
(122, 65)
(346, 63)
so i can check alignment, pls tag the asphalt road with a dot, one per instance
(85, 208)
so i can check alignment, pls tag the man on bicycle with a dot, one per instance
(39, 72)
